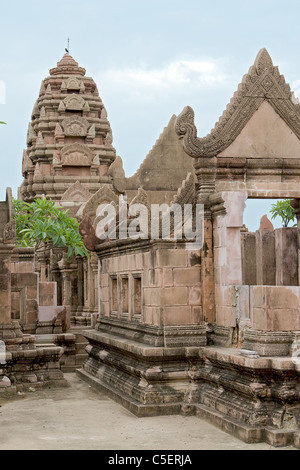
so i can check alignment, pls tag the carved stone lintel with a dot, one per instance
(75, 126)
(74, 102)
(76, 155)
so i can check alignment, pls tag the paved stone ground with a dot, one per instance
(79, 418)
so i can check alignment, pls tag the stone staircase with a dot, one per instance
(80, 355)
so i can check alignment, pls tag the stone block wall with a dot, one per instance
(24, 287)
(158, 287)
(275, 308)
(270, 257)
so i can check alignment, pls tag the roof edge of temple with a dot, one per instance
(262, 82)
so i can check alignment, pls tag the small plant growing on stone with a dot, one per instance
(43, 225)
(284, 210)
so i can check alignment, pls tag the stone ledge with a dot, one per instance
(231, 356)
(141, 349)
(242, 431)
(249, 434)
(129, 403)
(269, 343)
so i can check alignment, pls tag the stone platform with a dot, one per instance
(256, 399)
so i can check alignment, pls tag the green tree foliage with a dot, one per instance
(284, 210)
(43, 225)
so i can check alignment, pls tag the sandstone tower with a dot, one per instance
(68, 156)
(69, 141)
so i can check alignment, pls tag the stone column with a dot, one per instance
(231, 297)
(296, 206)
(66, 291)
(94, 268)
(5, 283)
(286, 251)
(205, 169)
(80, 286)
(265, 257)
(43, 260)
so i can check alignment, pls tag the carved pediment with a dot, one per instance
(75, 126)
(76, 155)
(74, 102)
(76, 193)
(262, 83)
(103, 196)
(72, 84)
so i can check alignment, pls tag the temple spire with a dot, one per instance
(68, 48)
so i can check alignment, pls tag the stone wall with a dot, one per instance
(270, 257)
(157, 287)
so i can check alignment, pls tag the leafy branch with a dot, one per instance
(284, 210)
(43, 225)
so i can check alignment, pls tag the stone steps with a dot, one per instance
(80, 353)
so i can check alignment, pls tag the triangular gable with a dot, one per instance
(265, 135)
(262, 84)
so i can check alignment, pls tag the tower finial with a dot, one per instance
(68, 50)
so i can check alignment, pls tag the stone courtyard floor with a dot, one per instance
(79, 418)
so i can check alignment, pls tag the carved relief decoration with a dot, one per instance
(92, 131)
(141, 198)
(26, 162)
(74, 102)
(10, 231)
(76, 193)
(104, 195)
(56, 158)
(31, 134)
(186, 192)
(76, 155)
(75, 126)
(72, 84)
(117, 173)
(109, 139)
(96, 160)
(263, 82)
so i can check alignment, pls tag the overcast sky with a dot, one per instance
(148, 58)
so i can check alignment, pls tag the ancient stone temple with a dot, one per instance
(211, 330)
(24, 364)
(180, 307)
(70, 159)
